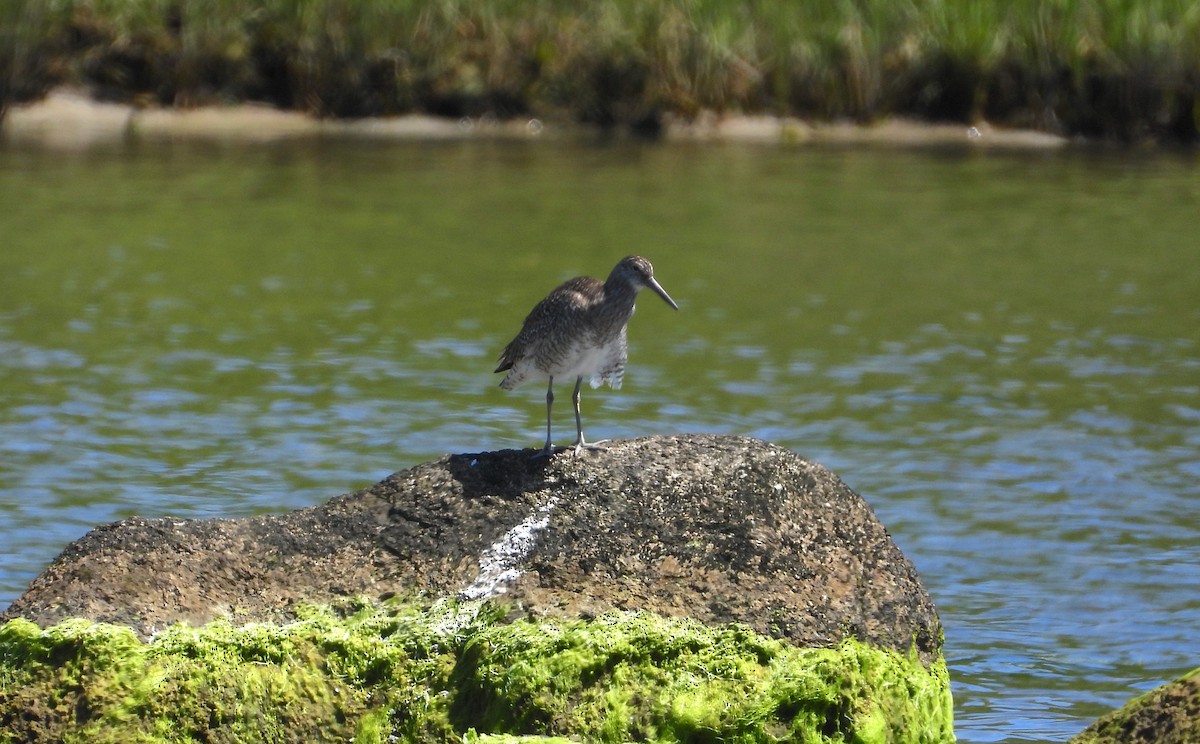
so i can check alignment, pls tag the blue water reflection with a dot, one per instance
(998, 352)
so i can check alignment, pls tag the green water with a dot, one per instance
(999, 351)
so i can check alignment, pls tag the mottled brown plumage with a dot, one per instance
(578, 331)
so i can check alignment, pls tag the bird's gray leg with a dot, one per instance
(549, 448)
(579, 443)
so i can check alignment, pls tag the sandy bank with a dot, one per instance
(70, 119)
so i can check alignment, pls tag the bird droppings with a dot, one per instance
(499, 565)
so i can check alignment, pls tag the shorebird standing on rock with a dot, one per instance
(579, 331)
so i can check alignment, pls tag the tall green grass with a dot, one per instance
(1110, 68)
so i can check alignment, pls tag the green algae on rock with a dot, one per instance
(638, 677)
(448, 671)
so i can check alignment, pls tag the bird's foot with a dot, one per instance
(581, 445)
(550, 450)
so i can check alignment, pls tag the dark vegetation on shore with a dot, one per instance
(1107, 69)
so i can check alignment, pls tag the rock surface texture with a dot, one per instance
(719, 529)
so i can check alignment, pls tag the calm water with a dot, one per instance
(1000, 352)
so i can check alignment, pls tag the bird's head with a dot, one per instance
(638, 273)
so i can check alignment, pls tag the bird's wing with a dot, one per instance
(554, 316)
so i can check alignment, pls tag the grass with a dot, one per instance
(445, 672)
(1103, 68)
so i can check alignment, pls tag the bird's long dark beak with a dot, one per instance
(658, 290)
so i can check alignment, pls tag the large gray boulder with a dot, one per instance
(719, 529)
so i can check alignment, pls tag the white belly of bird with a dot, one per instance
(586, 361)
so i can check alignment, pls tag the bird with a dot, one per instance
(579, 330)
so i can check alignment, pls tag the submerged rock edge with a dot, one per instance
(434, 671)
(1168, 714)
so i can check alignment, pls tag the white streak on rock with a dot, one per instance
(498, 564)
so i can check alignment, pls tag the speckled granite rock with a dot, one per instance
(718, 529)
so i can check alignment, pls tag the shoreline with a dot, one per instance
(70, 119)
